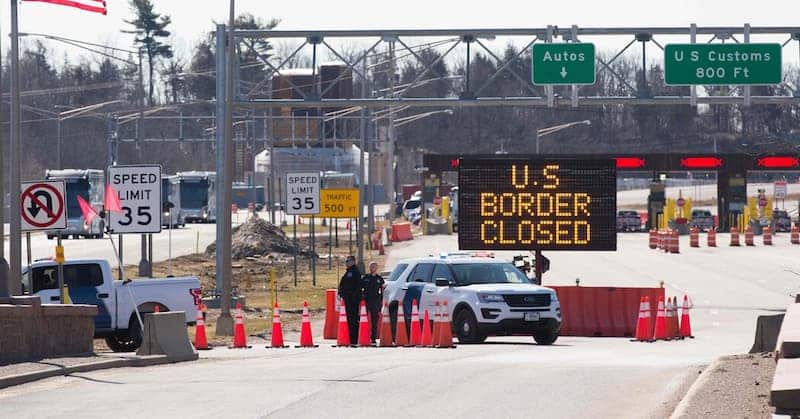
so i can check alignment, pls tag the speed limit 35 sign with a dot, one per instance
(302, 193)
(139, 189)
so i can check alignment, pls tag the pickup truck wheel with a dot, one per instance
(122, 342)
(547, 337)
(467, 327)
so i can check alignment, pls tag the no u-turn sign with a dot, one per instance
(42, 206)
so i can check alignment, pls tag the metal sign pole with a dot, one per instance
(330, 243)
(313, 253)
(60, 273)
(28, 243)
(15, 239)
(294, 240)
(169, 246)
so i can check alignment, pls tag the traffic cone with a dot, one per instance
(749, 237)
(445, 330)
(416, 332)
(277, 329)
(239, 337)
(427, 334)
(363, 327)
(712, 237)
(675, 325)
(795, 235)
(670, 316)
(735, 237)
(200, 340)
(686, 325)
(661, 322)
(643, 323)
(306, 338)
(386, 329)
(343, 337)
(767, 236)
(401, 337)
(437, 322)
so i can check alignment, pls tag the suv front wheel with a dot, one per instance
(467, 328)
(545, 337)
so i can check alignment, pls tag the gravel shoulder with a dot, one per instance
(733, 386)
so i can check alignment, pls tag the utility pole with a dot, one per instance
(4, 278)
(370, 174)
(362, 174)
(145, 266)
(390, 140)
(15, 239)
(225, 322)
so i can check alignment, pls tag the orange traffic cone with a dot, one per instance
(416, 333)
(239, 337)
(306, 338)
(200, 340)
(712, 237)
(795, 235)
(363, 327)
(401, 336)
(661, 322)
(686, 325)
(445, 330)
(343, 337)
(277, 329)
(643, 324)
(386, 328)
(670, 315)
(427, 334)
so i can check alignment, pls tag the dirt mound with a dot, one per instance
(257, 237)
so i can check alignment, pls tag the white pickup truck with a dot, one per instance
(90, 281)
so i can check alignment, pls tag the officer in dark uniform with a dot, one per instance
(350, 292)
(372, 286)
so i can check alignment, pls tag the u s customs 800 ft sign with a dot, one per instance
(531, 203)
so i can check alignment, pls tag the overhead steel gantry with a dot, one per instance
(403, 41)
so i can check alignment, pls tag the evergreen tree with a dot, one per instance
(150, 27)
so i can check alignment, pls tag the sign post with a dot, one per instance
(303, 198)
(722, 64)
(568, 63)
(42, 207)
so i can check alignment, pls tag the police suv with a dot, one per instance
(485, 296)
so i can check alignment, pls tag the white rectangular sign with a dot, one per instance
(302, 193)
(43, 206)
(780, 189)
(139, 190)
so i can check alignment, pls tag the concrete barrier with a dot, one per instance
(30, 330)
(165, 334)
(767, 329)
(785, 392)
(604, 311)
(788, 342)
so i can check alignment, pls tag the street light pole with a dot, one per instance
(15, 239)
(390, 143)
(4, 278)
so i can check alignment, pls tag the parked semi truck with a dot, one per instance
(90, 281)
(198, 196)
(89, 184)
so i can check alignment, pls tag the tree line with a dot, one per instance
(173, 85)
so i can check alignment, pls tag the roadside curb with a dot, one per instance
(682, 408)
(146, 361)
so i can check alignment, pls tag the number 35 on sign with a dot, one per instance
(302, 193)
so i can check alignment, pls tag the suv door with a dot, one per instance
(433, 293)
(415, 286)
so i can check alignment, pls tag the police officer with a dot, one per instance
(372, 287)
(350, 292)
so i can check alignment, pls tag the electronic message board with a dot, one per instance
(536, 203)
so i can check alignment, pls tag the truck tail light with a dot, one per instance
(197, 295)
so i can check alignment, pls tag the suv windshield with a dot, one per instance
(701, 213)
(781, 214)
(488, 273)
(397, 271)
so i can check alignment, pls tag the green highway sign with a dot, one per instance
(720, 64)
(563, 63)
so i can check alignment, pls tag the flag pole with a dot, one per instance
(125, 281)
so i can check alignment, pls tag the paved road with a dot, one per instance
(509, 377)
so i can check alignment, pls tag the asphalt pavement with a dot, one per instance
(507, 377)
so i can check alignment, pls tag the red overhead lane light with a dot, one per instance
(630, 162)
(701, 162)
(778, 162)
(454, 163)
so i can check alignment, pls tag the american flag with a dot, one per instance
(95, 6)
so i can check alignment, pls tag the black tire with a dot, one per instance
(547, 337)
(50, 237)
(126, 340)
(467, 327)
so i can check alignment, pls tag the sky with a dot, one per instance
(192, 18)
